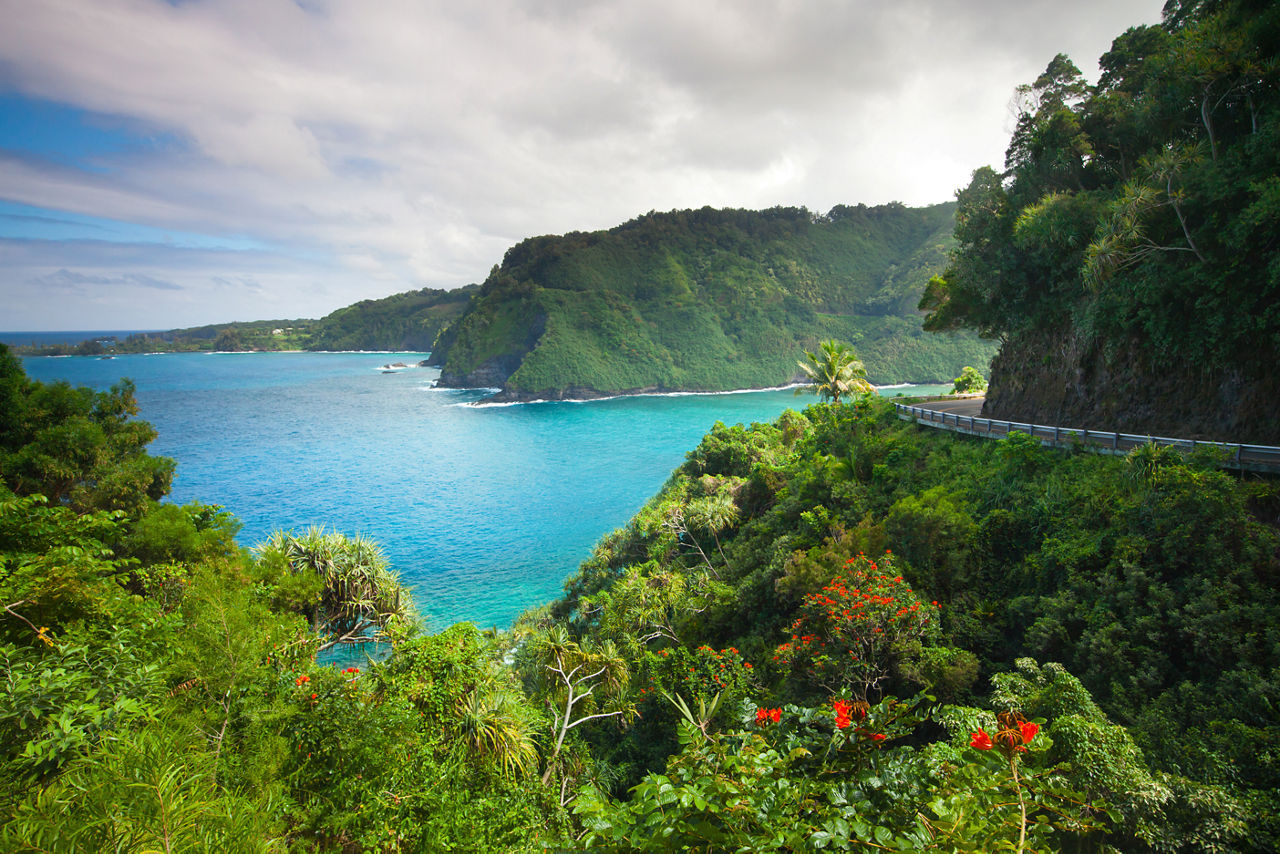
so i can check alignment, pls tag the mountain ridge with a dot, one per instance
(706, 300)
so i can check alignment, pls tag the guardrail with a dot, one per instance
(1265, 458)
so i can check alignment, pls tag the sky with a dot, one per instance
(170, 164)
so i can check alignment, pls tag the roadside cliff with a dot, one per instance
(1054, 378)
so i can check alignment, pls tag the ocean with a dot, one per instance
(483, 510)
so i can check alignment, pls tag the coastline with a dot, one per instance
(507, 397)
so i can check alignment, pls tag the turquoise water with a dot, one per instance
(483, 510)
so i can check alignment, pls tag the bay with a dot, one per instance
(483, 510)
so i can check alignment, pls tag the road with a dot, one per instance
(963, 406)
(965, 416)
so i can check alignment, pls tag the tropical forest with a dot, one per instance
(838, 631)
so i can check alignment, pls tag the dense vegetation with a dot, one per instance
(408, 321)
(160, 689)
(708, 300)
(837, 631)
(1130, 252)
(1149, 580)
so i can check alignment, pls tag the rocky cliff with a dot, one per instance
(1056, 378)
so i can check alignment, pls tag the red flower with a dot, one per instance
(844, 711)
(981, 740)
(877, 736)
(313, 696)
(1029, 731)
(764, 716)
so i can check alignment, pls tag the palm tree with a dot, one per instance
(834, 372)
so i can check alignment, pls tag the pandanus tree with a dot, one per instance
(834, 372)
(347, 591)
(493, 723)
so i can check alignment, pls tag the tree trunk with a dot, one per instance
(1208, 125)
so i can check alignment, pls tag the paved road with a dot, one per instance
(965, 416)
(963, 406)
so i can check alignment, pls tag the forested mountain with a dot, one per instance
(707, 300)
(1129, 254)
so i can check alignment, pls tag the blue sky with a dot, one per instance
(174, 164)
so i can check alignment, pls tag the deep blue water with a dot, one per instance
(483, 510)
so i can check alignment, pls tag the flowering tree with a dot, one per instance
(713, 681)
(849, 632)
(1007, 796)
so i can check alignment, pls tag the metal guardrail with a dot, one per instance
(1265, 458)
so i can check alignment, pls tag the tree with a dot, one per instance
(969, 381)
(1124, 240)
(849, 634)
(835, 371)
(75, 446)
(492, 721)
(357, 594)
(568, 674)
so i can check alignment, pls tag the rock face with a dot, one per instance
(1055, 378)
(492, 373)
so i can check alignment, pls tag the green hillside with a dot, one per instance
(708, 300)
(839, 632)
(407, 321)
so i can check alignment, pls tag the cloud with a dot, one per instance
(384, 146)
(77, 281)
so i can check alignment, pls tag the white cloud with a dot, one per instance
(384, 145)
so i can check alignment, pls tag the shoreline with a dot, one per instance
(508, 398)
